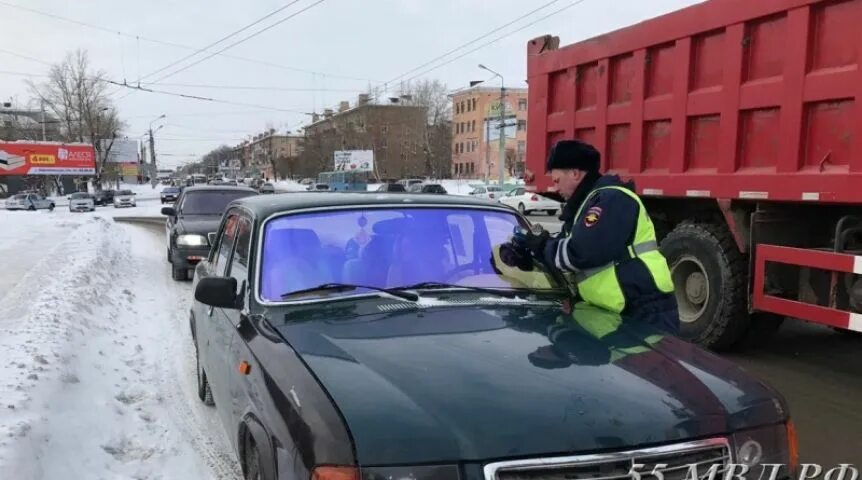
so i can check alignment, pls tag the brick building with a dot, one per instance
(394, 131)
(475, 132)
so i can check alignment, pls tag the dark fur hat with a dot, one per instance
(573, 154)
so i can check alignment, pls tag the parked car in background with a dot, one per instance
(409, 182)
(103, 197)
(427, 188)
(415, 356)
(124, 198)
(170, 194)
(318, 187)
(81, 202)
(267, 188)
(197, 213)
(29, 201)
(392, 188)
(529, 202)
(306, 181)
(487, 191)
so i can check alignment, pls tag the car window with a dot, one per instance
(209, 202)
(239, 262)
(384, 247)
(225, 243)
(80, 196)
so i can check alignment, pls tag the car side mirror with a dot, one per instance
(211, 236)
(169, 211)
(219, 292)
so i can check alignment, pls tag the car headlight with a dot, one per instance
(192, 241)
(768, 452)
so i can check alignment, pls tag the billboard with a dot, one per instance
(354, 160)
(122, 151)
(46, 158)
(492, 126)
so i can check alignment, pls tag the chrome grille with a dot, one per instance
(676, 462)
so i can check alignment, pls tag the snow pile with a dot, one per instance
(99, 378)
(284, 186)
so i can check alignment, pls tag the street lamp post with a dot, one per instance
(152, 141)
(502, 159)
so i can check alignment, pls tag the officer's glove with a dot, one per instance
(532, 241)
(517, 257)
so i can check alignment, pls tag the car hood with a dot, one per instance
(200, 224)
(474, 383)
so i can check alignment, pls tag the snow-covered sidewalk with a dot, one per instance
(99, 379)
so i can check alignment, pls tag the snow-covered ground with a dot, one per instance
(98, 379)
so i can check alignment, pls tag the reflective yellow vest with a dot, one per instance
(601, 323)
(599, 286)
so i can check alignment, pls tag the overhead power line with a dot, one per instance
(238, 42)
(262, 88)
(425, 72)
(222, 39)
(178, 45)
(206, 99)
(25, 57)
(480, 37)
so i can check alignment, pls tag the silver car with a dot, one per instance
(82, 202)
(29, 201)
(124, 198)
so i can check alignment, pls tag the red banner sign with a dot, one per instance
(46, 158)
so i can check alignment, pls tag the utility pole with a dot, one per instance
(44, 136)
(488, 148)
(152, 149)
(502, 132)
(502, 160)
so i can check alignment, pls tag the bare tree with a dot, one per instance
(78, 97)
(432, 94)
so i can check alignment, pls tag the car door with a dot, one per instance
(238, 268)
(509, 198)
(216, 340)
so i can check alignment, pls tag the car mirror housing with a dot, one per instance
(169, 211)
(217, 292)
(211, 236)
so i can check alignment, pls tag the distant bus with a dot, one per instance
(346, 181)
(163, 174)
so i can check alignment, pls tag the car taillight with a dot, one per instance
(534, 198)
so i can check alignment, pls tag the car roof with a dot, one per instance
(266, 205)
(217, 188)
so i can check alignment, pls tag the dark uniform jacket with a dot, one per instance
(600, 235)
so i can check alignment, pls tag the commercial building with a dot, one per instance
(395, 131)
(476, 131)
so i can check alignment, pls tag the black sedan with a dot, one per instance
(192, 220)
(170, 194)
(354, 336)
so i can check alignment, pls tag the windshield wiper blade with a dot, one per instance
(346, 287)
(438, 285)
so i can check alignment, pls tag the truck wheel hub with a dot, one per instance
(691, 285)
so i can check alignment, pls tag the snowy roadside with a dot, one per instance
(100, 369)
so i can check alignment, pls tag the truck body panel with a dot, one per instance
(754, 106)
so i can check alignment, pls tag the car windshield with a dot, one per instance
(212, 202)
(124, 192)
(20, 197)
(385, 248)
(171, 190)
(80, 196)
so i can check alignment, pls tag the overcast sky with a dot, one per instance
(350, 44)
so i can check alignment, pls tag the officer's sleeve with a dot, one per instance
(599, 237)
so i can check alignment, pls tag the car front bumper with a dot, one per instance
(82, 207)
(169, 198)
(124, 204)
(188, 257)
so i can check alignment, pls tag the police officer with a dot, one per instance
(607, 247)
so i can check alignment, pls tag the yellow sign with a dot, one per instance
(42, 159)
(130, 169)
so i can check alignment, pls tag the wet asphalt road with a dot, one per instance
(819, 372)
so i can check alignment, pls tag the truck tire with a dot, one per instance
(709, 274)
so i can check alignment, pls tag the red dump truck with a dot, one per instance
(737, 121)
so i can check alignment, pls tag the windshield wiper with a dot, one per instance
(439, 285)
(346, 287)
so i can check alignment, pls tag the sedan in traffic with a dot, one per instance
(124, 198)
(29, 201)
(170, 194)
(365, 337)
(81, 202)
(192, 220)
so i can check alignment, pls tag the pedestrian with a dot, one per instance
(607, 249)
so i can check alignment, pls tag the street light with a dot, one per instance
(153, 142)
(502, 160)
